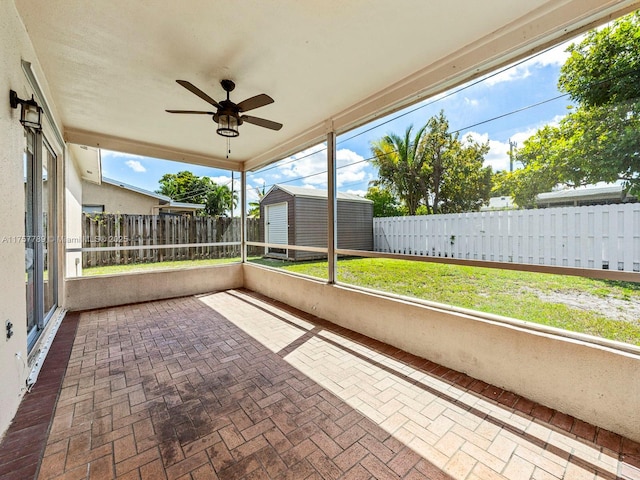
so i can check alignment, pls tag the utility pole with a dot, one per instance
(512, 145)
(232, 194)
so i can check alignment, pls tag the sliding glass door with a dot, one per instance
(41, 262)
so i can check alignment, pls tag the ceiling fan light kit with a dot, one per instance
(228, 125)
(229, 115)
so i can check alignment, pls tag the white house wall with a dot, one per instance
(15, 46)
(73, 230)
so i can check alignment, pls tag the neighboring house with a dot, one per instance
(298, 216)
(504, 202)
(589, 195)
(112, 196)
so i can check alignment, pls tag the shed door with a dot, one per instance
(277, 227)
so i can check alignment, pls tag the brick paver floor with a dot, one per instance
(232, 385)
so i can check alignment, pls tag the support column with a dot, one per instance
(243, 216)
(332, 208)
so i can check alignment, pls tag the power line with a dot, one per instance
(291, 160)
(408, 112)
(459, 130)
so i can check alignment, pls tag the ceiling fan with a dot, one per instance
(230, 115)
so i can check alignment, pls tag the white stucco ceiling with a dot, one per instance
(111, 65)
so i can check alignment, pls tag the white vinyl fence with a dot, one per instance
(598, 236)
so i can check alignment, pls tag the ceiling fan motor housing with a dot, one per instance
(228, 85)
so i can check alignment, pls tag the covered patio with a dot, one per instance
(241, 371)
(234, 385)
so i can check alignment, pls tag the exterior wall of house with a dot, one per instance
(595, 383)
(118, 200)
(15, 46)
(110, 290)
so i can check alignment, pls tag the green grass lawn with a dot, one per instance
(572, 303)
(145, 267)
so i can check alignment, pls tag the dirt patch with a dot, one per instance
(610, 307)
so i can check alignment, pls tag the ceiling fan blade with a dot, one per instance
(195, 90)
(255, 102)
(261, 122)
(190, 111)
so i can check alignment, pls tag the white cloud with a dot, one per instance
(351, 167)
(114, 154)
(136, 166)
(555, 56)
(252, 195)
(311, 167)
(258, 181)
(221, 180)
(518, 72)
(471, 101)
(498, 155)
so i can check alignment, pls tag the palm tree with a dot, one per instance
(220, 200)
(400, 161)
(254, 207)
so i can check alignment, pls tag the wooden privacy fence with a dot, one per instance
(598, 236)
(115, 230)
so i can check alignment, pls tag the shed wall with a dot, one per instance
(274, 197)
(355, 225)
(310, 226)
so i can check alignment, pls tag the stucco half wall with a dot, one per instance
(594, 383)
(110, 290)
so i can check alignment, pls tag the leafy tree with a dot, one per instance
(599, 140)
(501, 183)
(604, 68)
(466, 184)
(185, 187)
(545, 164)
(456, 180)
(433, 171)
(385, 203)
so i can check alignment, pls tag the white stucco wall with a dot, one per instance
(594, 383)
(73, 210)
(110, 290)
(14, 47)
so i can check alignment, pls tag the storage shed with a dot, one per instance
(298, 216)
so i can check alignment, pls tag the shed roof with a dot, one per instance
(315, 193)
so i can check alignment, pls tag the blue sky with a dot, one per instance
(469, 109)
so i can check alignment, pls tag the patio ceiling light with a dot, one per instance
(30, 112)
(227, 124)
